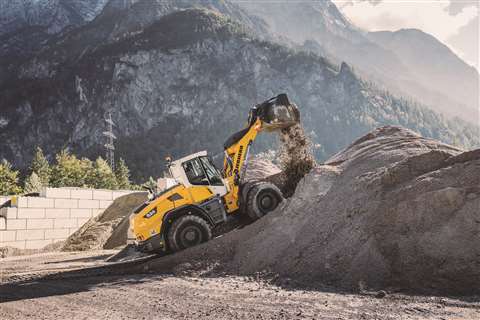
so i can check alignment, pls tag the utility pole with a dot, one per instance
(109, 146)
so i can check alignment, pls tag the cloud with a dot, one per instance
(453, 8)
(344, 3)
(456, 6)
(466, 42)
(451, 21)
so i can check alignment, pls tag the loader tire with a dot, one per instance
(188, 231)
(263, 198)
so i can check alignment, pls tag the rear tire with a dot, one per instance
(188, 231)
(262, 198)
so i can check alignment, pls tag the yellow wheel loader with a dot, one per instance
(203, 198)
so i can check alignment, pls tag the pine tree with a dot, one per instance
(41, 167)
(122, 173)
(8, 179)
(70, 171)
(33, 183)
(151, 184)
(102, 176)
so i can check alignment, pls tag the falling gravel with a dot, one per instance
(296, 158)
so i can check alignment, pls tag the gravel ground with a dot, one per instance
(26, 293)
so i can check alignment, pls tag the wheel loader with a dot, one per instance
(202, 197)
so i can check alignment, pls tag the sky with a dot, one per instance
(454, 22)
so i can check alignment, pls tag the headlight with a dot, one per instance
(151, 213)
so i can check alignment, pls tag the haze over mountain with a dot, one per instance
(436, 67)
(409, 63)
(180, 76)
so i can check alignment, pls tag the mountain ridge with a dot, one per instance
(193, 92)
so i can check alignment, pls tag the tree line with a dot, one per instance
(66, 171)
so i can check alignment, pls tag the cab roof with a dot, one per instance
(190, 157)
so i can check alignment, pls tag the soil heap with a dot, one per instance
(259, 168)
(393, 210)
(109, 229)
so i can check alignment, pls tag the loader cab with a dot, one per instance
(198, 170)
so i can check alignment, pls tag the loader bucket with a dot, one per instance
(278, 113)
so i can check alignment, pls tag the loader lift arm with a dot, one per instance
(274, 114)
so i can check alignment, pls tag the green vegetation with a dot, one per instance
(101, 175)
(67, 171)
(33, 184)
(122, 174)
(41, 167)
(9, 183)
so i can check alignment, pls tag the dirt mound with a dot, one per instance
(392, 210)
(109, 229)
(259, 169)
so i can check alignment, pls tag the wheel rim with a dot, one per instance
(190, 236)
(266, 202)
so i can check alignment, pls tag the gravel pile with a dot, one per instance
(392, 211)
(109, 229)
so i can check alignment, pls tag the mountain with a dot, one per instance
(436, 67)
(27, 25)
(115, 19)
(183, 82)
(408, 63)
(50, 15)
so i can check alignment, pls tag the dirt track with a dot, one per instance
(157, 296)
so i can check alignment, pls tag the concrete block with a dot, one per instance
(30, 213)
(66, 203)
(55, 193)
(102, 194)
(22, 202)
(56, 234)
(16, 224)
(10, 213)
(31, 234)
(15, 244)
(89, 204)
(39, 224)
(81, 194)
(105, 204)
(3, 199)
(37, 244)
(118, 193)
(57, 213)
(96, 212)
(65, 223)
(82, 221)
(37, 202)
(6, 235)
(81, 213)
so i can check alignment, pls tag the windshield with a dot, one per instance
(212, 172)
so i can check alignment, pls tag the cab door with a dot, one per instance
(204, 178)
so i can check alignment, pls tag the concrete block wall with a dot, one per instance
(4, 199)
(38, 221)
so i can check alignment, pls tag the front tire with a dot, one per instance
(188, 231)
(262, 198)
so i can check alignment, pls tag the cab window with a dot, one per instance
(195, 173)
